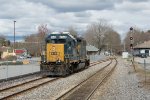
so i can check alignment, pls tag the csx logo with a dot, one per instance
(53, 49)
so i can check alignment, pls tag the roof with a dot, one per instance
(19, 51)
(91, 48)
(3, 48)
(146, 44)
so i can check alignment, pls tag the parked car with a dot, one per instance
(29, 56)
(24, 56)
(21, 57)
(143, 55)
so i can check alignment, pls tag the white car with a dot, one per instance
(22, 57)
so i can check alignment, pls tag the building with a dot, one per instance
(6, 51)
(91, 50)
(142, 49)
(20, 51)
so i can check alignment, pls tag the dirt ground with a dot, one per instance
(143, 72)
(125, 83)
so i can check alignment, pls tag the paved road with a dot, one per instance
(7, 71)
(96, 57)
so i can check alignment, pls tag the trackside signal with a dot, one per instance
(131, 46)
(131, 38)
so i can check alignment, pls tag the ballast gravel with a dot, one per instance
(13, 82)
(123, 84)
(53, 90)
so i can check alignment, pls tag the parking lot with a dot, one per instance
(30, 65)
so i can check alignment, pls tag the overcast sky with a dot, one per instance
(60, 14)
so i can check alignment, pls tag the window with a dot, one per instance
(61, 40)
(69, 43)
(58, 41)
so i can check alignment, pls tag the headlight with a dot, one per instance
(58, 62)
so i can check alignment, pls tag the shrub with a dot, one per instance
(12, 63)
(10, 58)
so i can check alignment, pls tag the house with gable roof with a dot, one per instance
(142, 49)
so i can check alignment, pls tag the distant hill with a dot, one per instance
(17, 38)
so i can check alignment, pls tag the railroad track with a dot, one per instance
(98, 62)
(19, 89)
(85, 89)
(15, 90)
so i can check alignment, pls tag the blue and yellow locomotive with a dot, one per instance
(64, 54)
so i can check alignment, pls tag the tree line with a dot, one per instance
(4, 41)
(99, 34)
(103, 36)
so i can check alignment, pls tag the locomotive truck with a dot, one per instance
(63, 54)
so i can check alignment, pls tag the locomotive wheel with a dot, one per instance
(87, 63)
(71, 68)
(61, 69)
(64, 70)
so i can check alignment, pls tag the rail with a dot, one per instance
(25, 90)
(82, 86)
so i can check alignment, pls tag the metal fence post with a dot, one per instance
(7, 71)
(145, 69)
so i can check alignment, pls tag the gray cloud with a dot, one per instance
(59, 15)
(83, 14)
(133, 6)
(137, 0)
(76, 5)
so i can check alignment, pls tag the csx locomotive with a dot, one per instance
(64, 54)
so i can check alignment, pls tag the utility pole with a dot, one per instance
(14, 35)
(124, 45)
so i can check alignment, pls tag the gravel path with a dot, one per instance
(53, 90)
(122, 85)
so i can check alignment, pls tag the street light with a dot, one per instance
(14, 35)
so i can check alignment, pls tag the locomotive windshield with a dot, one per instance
(58, 41)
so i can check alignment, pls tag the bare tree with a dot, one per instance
(89, 37)
(103, 36)
(4, 41)
(112, 42)
(138, 37)
(42, 32)
(34, 41)
(73, 31)
(96, 32)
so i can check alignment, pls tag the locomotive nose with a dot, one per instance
(55, 52)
